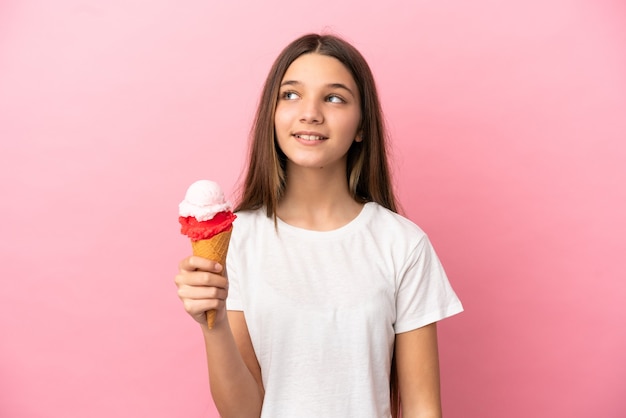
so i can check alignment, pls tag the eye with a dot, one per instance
(333, 98)
(289, 95)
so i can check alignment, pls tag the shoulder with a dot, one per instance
(384, 220)
(251, 215)
(393, 235)
(251, 223)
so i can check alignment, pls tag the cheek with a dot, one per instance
(351, 124)
(282, 117)
(281, 128)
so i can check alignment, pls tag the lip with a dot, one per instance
(309, 136)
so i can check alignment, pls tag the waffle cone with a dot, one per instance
(216, 249)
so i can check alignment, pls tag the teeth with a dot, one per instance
(310, 137)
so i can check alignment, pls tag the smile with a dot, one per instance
(310, 137)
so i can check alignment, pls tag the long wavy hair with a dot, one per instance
(367, 168)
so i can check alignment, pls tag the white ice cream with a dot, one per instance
(203, 200)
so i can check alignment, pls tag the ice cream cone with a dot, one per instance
(216, 249)
(207, 219)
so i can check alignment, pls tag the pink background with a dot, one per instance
(509, 127)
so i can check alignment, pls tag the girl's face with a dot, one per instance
(318, 112)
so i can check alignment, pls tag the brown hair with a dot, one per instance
(367, 168)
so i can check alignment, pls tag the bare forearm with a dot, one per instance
(231, 381)
(435, 413)
(418, 372)
(426, 405)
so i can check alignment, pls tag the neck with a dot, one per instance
(317, 199)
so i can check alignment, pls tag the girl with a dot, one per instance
(332, 298)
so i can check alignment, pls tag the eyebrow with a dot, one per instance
(331, 85)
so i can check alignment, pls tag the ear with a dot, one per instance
(359, 137)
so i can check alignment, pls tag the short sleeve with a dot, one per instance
(424, 294)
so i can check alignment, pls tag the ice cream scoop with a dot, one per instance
(207, 219)
(203, 200)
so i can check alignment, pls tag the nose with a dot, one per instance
(311, 112)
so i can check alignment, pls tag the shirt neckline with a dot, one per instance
(358, 220)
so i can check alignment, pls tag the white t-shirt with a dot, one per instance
(323, 308)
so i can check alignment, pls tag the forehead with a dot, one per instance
(318, 69)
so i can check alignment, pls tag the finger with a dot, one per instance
(194, 262)
(201, 293)
(200, 306)
(200, 278)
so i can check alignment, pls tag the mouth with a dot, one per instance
(310, 136)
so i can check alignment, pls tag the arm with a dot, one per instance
(234, 372)
(417, 362)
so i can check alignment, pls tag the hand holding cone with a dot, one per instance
(206, 218)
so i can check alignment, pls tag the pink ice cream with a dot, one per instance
(205, 212)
